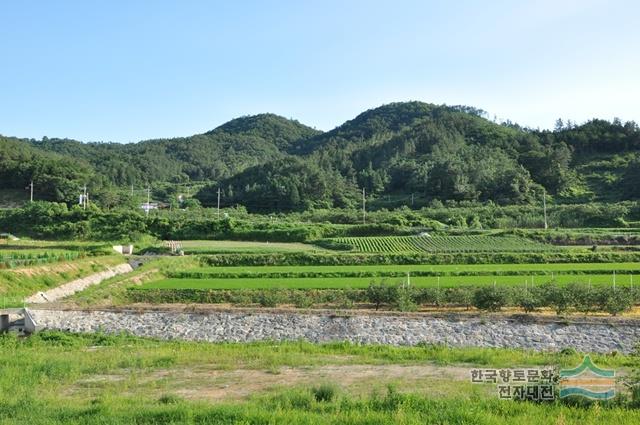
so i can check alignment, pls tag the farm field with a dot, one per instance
(20, 253)
(567, 268)
(469, 243)
(363, 282)
(214, 247)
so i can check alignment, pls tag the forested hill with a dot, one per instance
(443, 152)
(270, 163)
(214, 155)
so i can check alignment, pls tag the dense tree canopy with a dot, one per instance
(269, 163)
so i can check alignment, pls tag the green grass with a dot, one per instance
(29, 252)
(471, 243)
(16, 284)
(57, 378)
(363, 282)
(220, 247)
(447, 268)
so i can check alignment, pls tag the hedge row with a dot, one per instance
(562, 299)
(188, 274)
(311, 259)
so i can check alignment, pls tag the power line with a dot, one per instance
(148, 200)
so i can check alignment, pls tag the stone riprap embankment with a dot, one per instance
(589, 335)
(78, 285)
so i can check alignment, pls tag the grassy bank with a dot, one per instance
(15, 284)
(61, 378)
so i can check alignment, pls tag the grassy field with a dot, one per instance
(321, 277)
(470, 243)
(23, 253)
(567, 268)
(55, 378)
(219, 247)
(363, 282)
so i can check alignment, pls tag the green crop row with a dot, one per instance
(20, 259)
(561, 298)
(468, 243)
(187, 274)
(334, 259)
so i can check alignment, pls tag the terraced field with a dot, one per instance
(29, 253)
(445, 269)
(433, 244)
(221, 247)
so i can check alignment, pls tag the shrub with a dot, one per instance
(490, 298)
(379, 294)
(302, 300)
(613, 301)
(584, 297)
(403, 298)
(269, 298)
(529, 300)
(324, 393)
(557, 297)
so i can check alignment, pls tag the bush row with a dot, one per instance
(562, 299)
(188, 274)
(310, 259)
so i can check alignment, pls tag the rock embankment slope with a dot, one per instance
(590, 335)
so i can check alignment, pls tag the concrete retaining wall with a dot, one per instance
(77, 285)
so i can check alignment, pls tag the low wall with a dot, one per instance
(590, 335)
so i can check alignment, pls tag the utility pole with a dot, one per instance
(218, 203)
(544, 207)
(148, 200)
(31, 186)
(84, 197)
(132, 191)
(364, 211)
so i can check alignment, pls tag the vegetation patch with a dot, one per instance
(472, 243)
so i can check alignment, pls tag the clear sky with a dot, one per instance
(130, 70)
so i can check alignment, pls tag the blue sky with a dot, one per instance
(130, 70)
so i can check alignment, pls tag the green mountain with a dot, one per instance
(269, 163)
(217, 154)
(445, 153)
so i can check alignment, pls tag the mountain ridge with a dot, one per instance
(439, 151)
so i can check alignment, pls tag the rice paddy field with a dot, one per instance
(222, 247)
(333, 277)
(21, 253)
